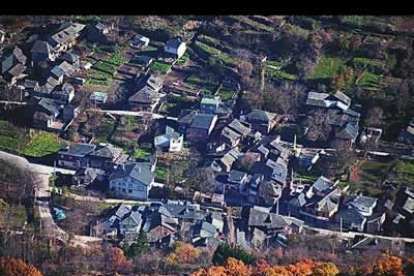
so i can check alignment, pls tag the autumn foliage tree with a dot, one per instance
(16, 267)
(117, 261)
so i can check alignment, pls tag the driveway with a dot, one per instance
(42, 195)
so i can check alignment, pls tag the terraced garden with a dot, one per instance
(327, 67)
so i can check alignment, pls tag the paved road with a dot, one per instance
(42, 195)
(154, 116)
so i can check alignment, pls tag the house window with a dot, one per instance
(123, 190)
(130, 191)
(140, 188)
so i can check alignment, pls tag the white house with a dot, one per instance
(171, 140)
(133, 180)
(140, 41)
(176, 47)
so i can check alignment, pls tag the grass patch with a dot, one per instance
(141, 153)
(12, 138)
(369, 62)
(43, 144)
(371, 175)
(214, 52)
(370, 81)
(117, 59)
(356, 20)
(277, 74)
(225, 94)
(161, 174)
(404, 172)
(160, 67)
(327, 67)
(182, 60)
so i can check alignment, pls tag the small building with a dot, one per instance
(407, 135)
(364, 204)
(269, 192)
(131, 223)
(75, 156)
(201, 127)
(133, 180)
(70, 112)
(42, 51)
(261, 120)
(140, 41)
(171, 140)
(145, 99)
(86, 176)
(238, 178)
(45, 115)
(370, 135)
(209, 104)
(63, 94)
(175, 47)
(99, 97)
(350, 218)
(102, 33)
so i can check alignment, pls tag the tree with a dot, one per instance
(374, 116)
(225, 251)
(139, 247)
(343, 78)
(16, 267)
(201, 179)
(325, 269)
(245, 70)
(117, 260)
(236, 267)
(319, 127)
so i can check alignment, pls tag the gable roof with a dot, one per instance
(174, 43)
(237, 126)
(107, 151)
(236, 176)
(79, 149)
(351, 214)
(138, 171)
(203, 121)
(350, 131)
(41, 47)
(49, 105)
(362, 202)
(342, 97)
(322, 184)
(230, 134)
(260, 115)
(145, 95)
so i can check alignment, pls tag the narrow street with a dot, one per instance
(42, 194)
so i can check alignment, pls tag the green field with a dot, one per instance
(141, 153)
(277, 74)
(327, 67)
(182, 60)
(371, 175)
(225, 94)
(12, 138)
(404, 172)
(43, 144)
(370, 81)
(161, 174)
(160, 67)
(214, 52)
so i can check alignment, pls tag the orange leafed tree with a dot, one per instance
(16, 267)
(117, 259)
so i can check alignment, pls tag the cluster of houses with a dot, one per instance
(163, 224)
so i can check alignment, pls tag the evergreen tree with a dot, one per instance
(140, 246)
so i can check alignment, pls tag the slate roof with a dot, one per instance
(230, 134)
(17, 70)
(237, 126)
(135, 216)
(208, 227)
(41, 47)
(271, 189)
(107, 151)
(260, 115)
(409, 205)
(18, 54)
(322, 184)
(120, 210)
(351, 214)
(317, 99)
(361, 202)
(49, 105)
(69, 57)
(144, 95)
(155, 82)
(269, 221)
(236, 175)
(80, 149)
(203, 121)
(138, 171)
(30, 84)
(174, 43)
(57, 71)
(342, 97)
(278, 169)
(350, 131)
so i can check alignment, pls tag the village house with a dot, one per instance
(175, 47)
(269, 193)
(172, 141)
(317, 203)
(407, 135)
(261, 120)
(132, 180)
(225, 163)
(45, 116)
(201, 127)
(13, 65)
(75, 156)
(101, 33)
(148, 96)
(140, 41)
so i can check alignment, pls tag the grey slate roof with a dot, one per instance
(237, 126)
(144, 95)
(236, 175)
(350, 131)
(342, 97)
(350, 214)
(322, 184)
(41, 47)
(202, 121)
(361, 202)
(269, 221)
(107, 151)
(174, 43)
(138, 171)
(80, 149)
(260, 115)
(49, 105)
(230, 134)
